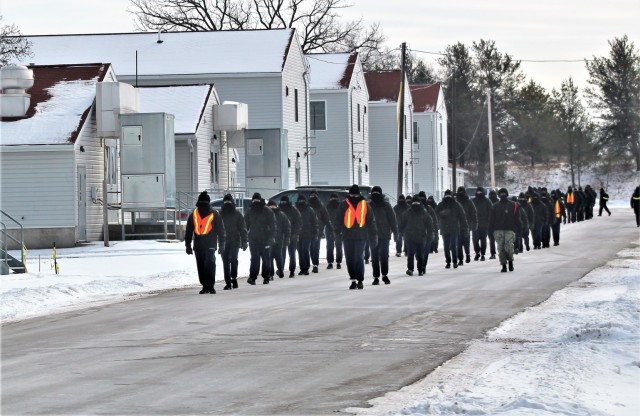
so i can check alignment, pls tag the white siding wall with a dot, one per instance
(331, 163)
(93, 159)
(42, 197)
(204, 140)
(360, 95)
(294, 78)
(383, 147)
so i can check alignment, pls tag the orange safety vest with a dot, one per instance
(558, 210)
(202, 226)
(353, 215)
(570, 198)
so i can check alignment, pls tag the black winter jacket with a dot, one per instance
(469, 211)
(451, 216)
(234, 225)
(635, 199)
(309, 230)
(385, 218)
(332, 211)
(261, 224)
(528, 211)
(295, 219)
(483, 210)
(416, 225)
(400, 208)
(216, 236)
(325, 224)
(505, 216)
(540, 212)
(368, 232)
(283, 233)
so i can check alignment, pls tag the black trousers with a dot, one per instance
(206, 264)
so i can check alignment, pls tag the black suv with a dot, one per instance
(324, 192)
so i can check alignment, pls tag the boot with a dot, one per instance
(493, 257)
(477, 257)
(386, 280)
(315, 269)
(203, 291)
(376, 282)
(448, 266)
(504, 268)
(468, 259)
(329, 266)
(510, 265)
(265, 281)
(280, 274)
(234, 283)
(482, 258)
(398, 254)
(455, 265)
(409, 272)
(212, 291)
(420, 273)
(338, 266)
(292, 274)
(354, 285)
(251, 280)
(360, 285)
(460, 263)
(227, 286)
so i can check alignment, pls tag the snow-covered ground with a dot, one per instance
(577, 353)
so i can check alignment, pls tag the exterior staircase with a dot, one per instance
(8, 263)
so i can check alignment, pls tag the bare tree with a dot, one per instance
(12, 44)
(317, 22)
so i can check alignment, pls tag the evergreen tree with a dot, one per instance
(615, 92)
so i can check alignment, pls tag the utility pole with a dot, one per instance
(493, 170)
(401, 119)
(453, 133)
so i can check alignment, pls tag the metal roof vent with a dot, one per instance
(14, 81)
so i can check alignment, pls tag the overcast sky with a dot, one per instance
(528, 30)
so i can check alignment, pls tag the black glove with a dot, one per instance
(244, 247)
(189, 250)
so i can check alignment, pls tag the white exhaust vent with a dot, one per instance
(14, 81)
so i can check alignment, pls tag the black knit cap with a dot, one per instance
(333, 195)
(204, 197)
(272, 203)
(448, 192)
(313, 192)
(284, 198)
(354, 190)
(503, 191)
(461, 189)
(401, 197)
(376, 189)
(302, 197)
(256, 196)
(480, 189)
(227, 197)
(422, 194)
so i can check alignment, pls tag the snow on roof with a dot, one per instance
(60, 99)
(179, 53)
(186, 103)
(331, 70)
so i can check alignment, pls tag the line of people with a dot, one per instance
(357, 230)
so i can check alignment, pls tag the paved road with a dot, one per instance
(298, 346)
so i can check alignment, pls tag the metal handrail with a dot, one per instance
(6, 234)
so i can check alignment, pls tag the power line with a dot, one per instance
(520, 60)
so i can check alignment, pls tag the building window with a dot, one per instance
(295, 95)
(440, 134)
(358, 117)
(318, 115)
(111, 155)
(415, 132)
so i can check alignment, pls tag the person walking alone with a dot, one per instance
(635, 204)
(604, 197)
(206, 229)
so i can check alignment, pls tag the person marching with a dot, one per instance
(325, 228)
(386, 224)
(635, 204)
(504, 221)
(493, 198)
(540, 215)
(546, 227)
(206, 229)
(570, 202)
(523, 202)
(261, 227)
(604, 197)
(452, 219)
(333, 240)
(308, 233)
(417, 226)
(436, 226)
(400, 208)
(295, 219)
(472, 222)
(236, 238)
(558, 215)
(483, 208)
(283, 235)
(592, 196)
(357, 226)
(433, 238)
